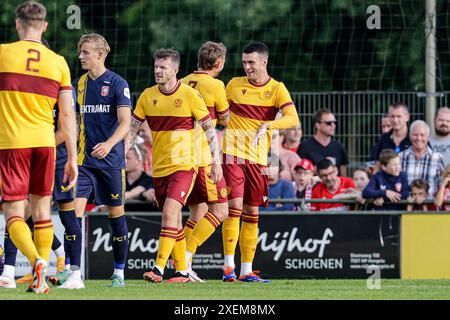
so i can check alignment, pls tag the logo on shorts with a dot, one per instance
(224, 192)
(265, 198)
(182, 194)
(114, 196)
(64, 189)
(178, 103)
(105, 91)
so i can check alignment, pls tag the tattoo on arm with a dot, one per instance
(211, 136)
(135, 126)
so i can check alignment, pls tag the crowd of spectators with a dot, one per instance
(408, 162)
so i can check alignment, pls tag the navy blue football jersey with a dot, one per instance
(97, 103)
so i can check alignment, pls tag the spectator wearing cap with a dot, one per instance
(279, 189)
(397, 138)
(323, 145)
(304, 181)
(331, 185)
(419, 161)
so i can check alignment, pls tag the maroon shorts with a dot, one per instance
(27, 171)
(246, 180)
(205, 190)
(177, 186)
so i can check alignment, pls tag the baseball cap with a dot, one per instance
(305, 164)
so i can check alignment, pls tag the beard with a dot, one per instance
(442, 131)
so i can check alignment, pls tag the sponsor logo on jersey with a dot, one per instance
(97, 108)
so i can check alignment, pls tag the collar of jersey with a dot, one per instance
(259, 85)
(169, 93)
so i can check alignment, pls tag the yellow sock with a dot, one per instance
(167, 238)
(179, 252)
(20, 234)
(189, 228)
(230, 231)
(248, 237)
(43, 238)
(203, 230)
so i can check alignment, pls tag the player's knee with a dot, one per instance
(220, 210)
(116, 211)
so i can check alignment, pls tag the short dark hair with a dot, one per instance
(397, 105)
(387, 155)
(258, 47)
(324, 164)
(31, 13)
(420, 184)
(168, 53)
(317, 117)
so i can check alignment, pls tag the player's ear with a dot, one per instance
(18, 26)
(44, 26)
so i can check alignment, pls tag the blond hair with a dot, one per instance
(97, 41)
(31, 14)
(208, 54)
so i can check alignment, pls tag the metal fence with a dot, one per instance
(358, 114)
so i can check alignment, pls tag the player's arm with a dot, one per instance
(69, 133)
(289, 119)
(211, 136)
(224, 119)
(102, 149)
(59, 138)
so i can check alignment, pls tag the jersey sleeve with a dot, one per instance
(139, 111)
(228, 90)
(122, 94)
(75, 95)
(221, 102)
(283, 98)
(198, 108)
(65, 80)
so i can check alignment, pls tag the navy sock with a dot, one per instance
(72, 237)
(120, 241)
(10, 250)
(56, 243)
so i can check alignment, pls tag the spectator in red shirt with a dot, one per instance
(331, 185)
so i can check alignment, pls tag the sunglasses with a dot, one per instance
(329, 123)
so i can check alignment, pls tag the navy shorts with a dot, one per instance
(59, 188)
(108, 185)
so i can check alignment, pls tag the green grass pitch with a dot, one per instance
(217, 290)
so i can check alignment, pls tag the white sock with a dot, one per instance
(183, 272)
(8, 271)
(229, 260)
(188, 260)
(60, 251)
(246, 268)
(76, 274)
(161, 270)
(67, 267)
(119, 272)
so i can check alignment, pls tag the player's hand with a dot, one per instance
(216, 172)
(150, 195)
(378, 202)
(393, 196)
(101, 150)
(70, 174)
(261, 132)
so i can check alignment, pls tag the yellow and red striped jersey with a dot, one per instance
(171, 117)
(251, 105)
(213, 93)
(31, 77)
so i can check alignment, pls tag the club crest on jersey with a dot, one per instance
(105, 91)
(267, 94)
(244, 91)
(178, 103)
(154, 102)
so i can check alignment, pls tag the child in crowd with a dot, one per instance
(361, 177)
(418, 194)
(388, 184)
(304, 181)
(443, 193)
